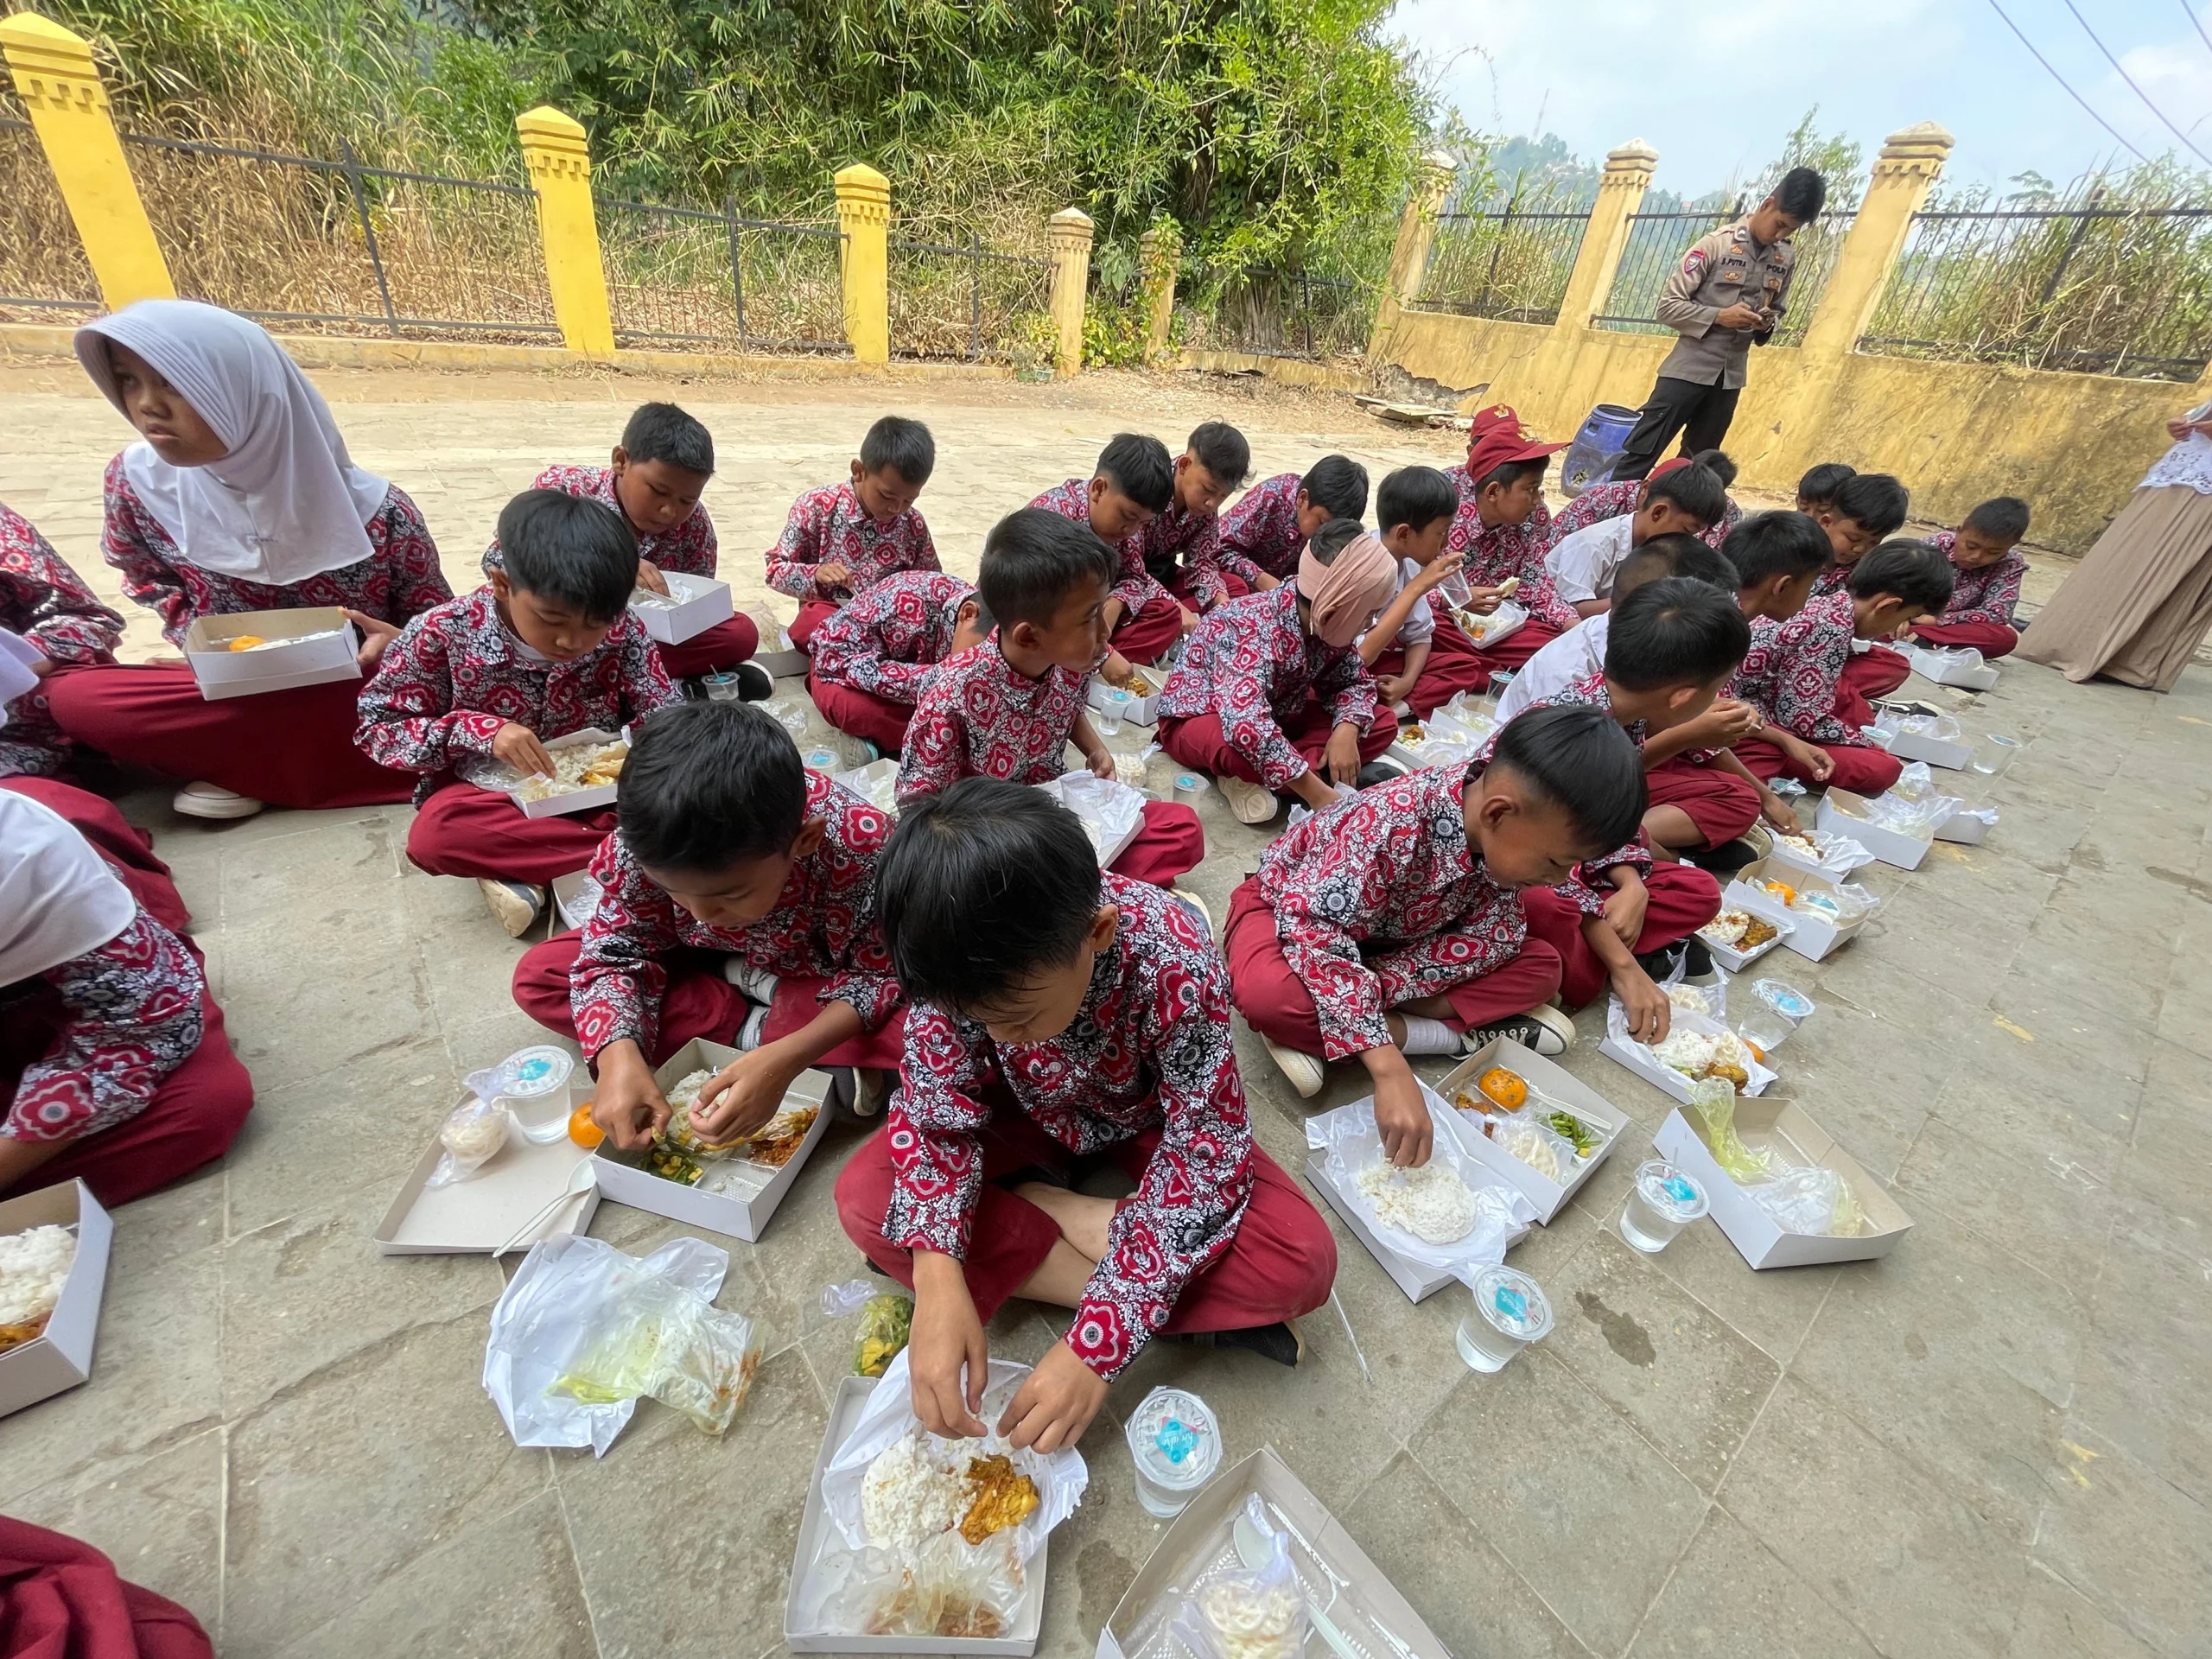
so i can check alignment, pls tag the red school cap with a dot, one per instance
(1495, 437)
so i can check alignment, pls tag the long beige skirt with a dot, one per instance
(2141, 602)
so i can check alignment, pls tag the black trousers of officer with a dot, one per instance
(1701, 414)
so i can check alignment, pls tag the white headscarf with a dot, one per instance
(58, 898)
(17, 656)
(288, 502)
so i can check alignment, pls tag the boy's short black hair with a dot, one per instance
(1140, 467)
(1506, 475)
(1674, 554)
(1338, 483)
(1224, 453)
(1676, 630)
(1033, 559)
(1821, 483)
(709, 786)
(664, 432)
(1906, 570)
(1765, 545)
(570, 549)
(1414, 496)
(1876, 502)
(2002, 518)
(1580, 760)
(1334, 537)
(982, 887)
(1696, 489)
(905, 447)
(1801, 194)
(1719, 463)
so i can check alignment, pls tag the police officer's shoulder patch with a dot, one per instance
(1694, 262)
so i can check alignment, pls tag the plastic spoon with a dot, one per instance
(1255, 1550)
(581, 1180)
(1337, 1579)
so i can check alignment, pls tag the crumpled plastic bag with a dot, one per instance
(1110, 810)
(1714, 1104)
(1060, 1477)
(886, 1321)
(583, 1331)
(1832, 855)
(1247, 1612)
(948, 1588)
(473, 1134)
(1353, 1143)
(1893, 724)
(1810, 1200)
(876, 783)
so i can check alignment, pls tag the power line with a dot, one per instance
(2062, 82)
(2131, 86)
(2190, 11)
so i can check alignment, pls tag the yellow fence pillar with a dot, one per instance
(1907, 169)
(1416, 230)
(559, 158)
(1158, 251)
(61, 88)
(1620, 193)
(864, 215)
(1068, 234)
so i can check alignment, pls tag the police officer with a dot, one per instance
(1728, 294)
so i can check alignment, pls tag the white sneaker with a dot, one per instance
(206, 800)
(1304, 1070)
(516, 904)
(749, 1034)
(1545, 1031)
(757, 984)
(1195, 903)
(1758, 838)
(1253, 803)
(871, 1087)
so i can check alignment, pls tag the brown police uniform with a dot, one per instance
(1702, 377)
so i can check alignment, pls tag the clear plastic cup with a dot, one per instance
(1499, 679)
(1190, 788)
(1663, 1201)
(1761, 1027)
(1176, 1445)
(1510, 1311)
(824, 760)
(1113, 709)
(722, 686)
(1785, 1000)
(1994, 753)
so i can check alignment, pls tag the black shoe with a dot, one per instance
(1727, 858)
(1379, 772)
(1541, 1031)
(754, 683)
(1281, 1342)
(1696, 962)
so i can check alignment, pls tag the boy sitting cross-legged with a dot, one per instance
(1132, 483)
(1868, 508)
(1791, 674)
(868, 662)
(843, 539)
(1061, 1017)
(736, 902)
(1503, 530)
(1263, 534)
(548, 647)
(1181, 544)
(1420, 655)
(654, 480)
(1688, 499)
(1986, 568)
(1271, 687)
(1394, 927)
(1009, 707)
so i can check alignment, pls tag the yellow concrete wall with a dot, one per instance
(2071, 445)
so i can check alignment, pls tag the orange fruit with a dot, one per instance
(246, 642)
(582, 1130)
(1506, 1088)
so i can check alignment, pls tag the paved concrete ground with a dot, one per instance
(1995, 1442)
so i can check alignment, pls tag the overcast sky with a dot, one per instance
(1714, 89)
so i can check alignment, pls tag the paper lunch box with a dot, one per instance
(691, 606)
(59, 1357)
(491, 1208)
(1814, 937)
(1554, 1083)
(1756, 1235)
(1139, 710)
(306, 647)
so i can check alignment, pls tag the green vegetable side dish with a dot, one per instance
(1570, 1128)
(673, 1165)
(885, 1323)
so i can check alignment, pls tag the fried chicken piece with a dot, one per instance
(1002, 1498)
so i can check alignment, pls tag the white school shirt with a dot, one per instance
(1582, 565)
(1575, 655)
(1421, 622)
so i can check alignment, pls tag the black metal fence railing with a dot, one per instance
(1288, 314)
(693, 276)
(44, 275)
(2124, 290)
(969, 303)
(342, 244)
(1656, 243)
(1511, 263)
(1818, 245)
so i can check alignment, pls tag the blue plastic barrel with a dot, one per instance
(1596, 448)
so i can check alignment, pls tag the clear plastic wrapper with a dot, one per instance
(583, 1331)
(1804, 1199)
(1894, 722)
(1253, 1611)
(1110, 808)
(948, 1588)
(886, 1322)
(471, 1134)
(876, 783)
(842, 1300)
(1526, 1136)
(1913, 806)
(1696, 1047)
(1714, 1102)
(1353, 1147)
(1831, 855)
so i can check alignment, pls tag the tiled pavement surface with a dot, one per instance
(1994, 1442)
